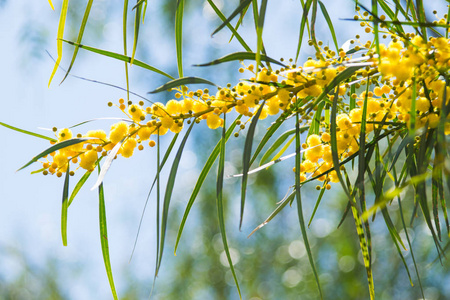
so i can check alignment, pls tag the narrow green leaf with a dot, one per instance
(278, 142)
(78, 186)
(168, 195)
(28, 132)
(124, 36)
(179, 35)
(65, 206)
(322, 192)
(303, 23)
(330, 24)
(180, 82)
(104, 237)
(201, 178)
(246, 158)
(259, 32)
(232, 29)
(80, 37)
(137, 23)
(237, 11)
(61, 25)
(279, 208)
(220, 209)
(299, 204)
(240, 56)
(53, 148)
(120, 57)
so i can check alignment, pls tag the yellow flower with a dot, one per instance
(118, 132)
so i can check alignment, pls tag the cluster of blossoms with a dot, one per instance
(407, 73)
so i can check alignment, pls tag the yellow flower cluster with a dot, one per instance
(405, 74)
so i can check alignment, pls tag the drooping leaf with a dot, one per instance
(240, 56)
(120, 57)
(180, 82)
(168, 195)
(179, 35)
(58, 146)
(237, 11)
(65, 206)
(220, 209)
(104, 238)
(299, 204)
(62, 23)
(28, 132)
(80, 37)
(201, 178)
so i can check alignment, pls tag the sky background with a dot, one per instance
(30, 205)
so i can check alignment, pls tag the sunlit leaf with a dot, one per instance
(180, 82)
(240, 56)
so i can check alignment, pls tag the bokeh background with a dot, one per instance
(271, 264)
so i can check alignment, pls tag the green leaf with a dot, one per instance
(280, 207)
(180, 82)
(259, 31)
(237, 11)
(120, 57)
(240, 56)
(299, 203)
(137, 23)
(53, 148)
(278, 142)
(330, 24)
(79, 185)
(28, 132)
(104, 237)
(80, 37)
(61, 25)
(65, 206)
(201, 178)
(303, 23)
(232, 29)
(168, 195)
(246, 158)
(220, 209)
(179, 35)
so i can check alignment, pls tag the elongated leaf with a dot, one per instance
(62, 23)
(299, 204)
(232, 29)
(279, 208)
(303, 23)
(180, 82)
(104, 238)
(28, 132)
(124, 36)
(107, 165)
(179, 35)
(79, 185)
(240, 56)
(330, 24)
(53, 148)
(220, 209)
(201, 178)
(246, 158)
(51, 4)
(160, 165)
(80, 36)
(168, 195)
(137, 23)
(120, 57)
(278, 142)
(237, 11)
(259, 32)
(65, 206)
